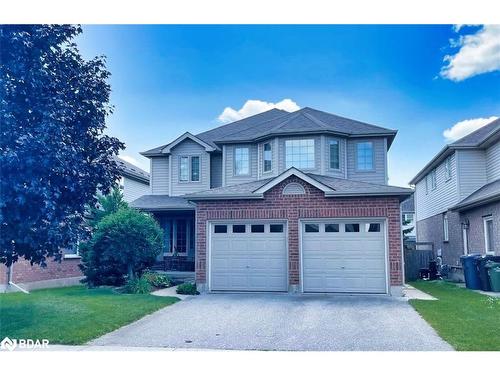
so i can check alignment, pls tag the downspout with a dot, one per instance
(9, 272)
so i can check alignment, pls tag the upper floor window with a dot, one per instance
(334, 155)
(299, 153)
(241, 161)
(365, 156)
(447, 168)
(268, 163)
(433, 179)
(189, 168)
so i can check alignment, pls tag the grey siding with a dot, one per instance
(378, 175)
(231, 179)
(215, 170)
(159, 175)
(437, 201)
(493, 162)
(189, 148)
(471, 171)
(133, 189)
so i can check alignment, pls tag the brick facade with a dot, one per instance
(313, 204)
(476, 227)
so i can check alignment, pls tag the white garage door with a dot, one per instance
(248, 256)
(344, 256)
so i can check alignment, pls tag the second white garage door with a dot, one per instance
(344, 256)
(248, 257)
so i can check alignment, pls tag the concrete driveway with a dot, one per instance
(281, 322)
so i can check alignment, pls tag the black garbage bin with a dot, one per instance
(469, 263)
(483, 270)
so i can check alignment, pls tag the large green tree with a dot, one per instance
(54, 154)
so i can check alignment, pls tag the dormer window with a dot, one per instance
(268, 157)
(365, 156)
(299, 153)
(241, 161)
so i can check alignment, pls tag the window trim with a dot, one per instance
(314, 153)
(270, 143)
(373, 157)
(249, 162)
(190, 169)
(486, 219)
(433, 177)
(330, 142)
(447, 169)
(446, 228)
(180, 168)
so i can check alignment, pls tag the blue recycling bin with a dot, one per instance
(471, 274)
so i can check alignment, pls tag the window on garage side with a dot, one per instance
(351, 227)
(312, 228)
(257, 228)
(372, 227)
(276, 228)
(220, 229)
(331, 228)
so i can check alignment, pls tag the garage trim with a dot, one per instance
(242, 221)
(323, 220)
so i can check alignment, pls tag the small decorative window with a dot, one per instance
(220, 229)
(241, 161)
(331, 228)
(312, 228)
(276, 228)
(334, 155)
(257, 228)
(433, 180)
(240, 228)
(445, 228)
(488, 235)
(447, 168)
(268, 162)
(372, 227)
(350, 228)
(293, 188)
(365, 156)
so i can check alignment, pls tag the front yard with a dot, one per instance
(72, 315)
(465, 319)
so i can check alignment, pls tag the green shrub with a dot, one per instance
(187, 288)
(158, 280)
(139, 285)
(123, 243)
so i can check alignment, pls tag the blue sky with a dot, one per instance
(170, 79)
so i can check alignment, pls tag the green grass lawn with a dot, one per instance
(72, 315)
(465, 319)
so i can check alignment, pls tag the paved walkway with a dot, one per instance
(281, 322)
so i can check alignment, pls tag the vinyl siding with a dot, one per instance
(378, 175)
(159, 175)
(439, 200)
(215, 170)
(471, 171)
(493, 162)
(133, 189)
(231, 179)
(189, 148)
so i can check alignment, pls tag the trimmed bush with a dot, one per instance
(158, 280)
(187, 288)
(139, 285)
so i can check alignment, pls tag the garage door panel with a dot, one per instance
(351, 262)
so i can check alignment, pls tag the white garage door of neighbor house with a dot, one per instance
(248, 256)
(344, 256)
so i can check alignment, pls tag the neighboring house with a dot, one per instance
(133, 183)
(280, 202)
(408, 218)
(457, 196)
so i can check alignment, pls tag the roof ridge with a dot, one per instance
(495, 128)
(316, 120)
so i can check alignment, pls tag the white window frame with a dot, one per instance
(181, 158)
(465, 239)
(264, 157)
(447, 169)
(289, 165)
(248, 162)
(330, 143)
(189, 168)
(446, 228)
(487, 246)
(433, 176)
(358, 144)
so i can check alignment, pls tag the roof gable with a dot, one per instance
(297, 173)
(166, 149)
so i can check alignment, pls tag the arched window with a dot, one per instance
(293, 188)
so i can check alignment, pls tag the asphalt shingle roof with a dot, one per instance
(131, 170)
(408, 205)
(487, 193)
(161, 202)
(479, 136)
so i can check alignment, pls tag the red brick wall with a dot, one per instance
(23, 272)
(313, 204)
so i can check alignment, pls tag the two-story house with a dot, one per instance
(457, 196)
(280, 201)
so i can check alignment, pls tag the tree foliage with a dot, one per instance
(123, 243)
(106, 204)
(54, 154)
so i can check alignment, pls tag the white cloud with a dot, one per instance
(462, 128)
(252, 107)
(141, 164)
(479, 53)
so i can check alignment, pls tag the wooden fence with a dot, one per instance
(416, 257)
